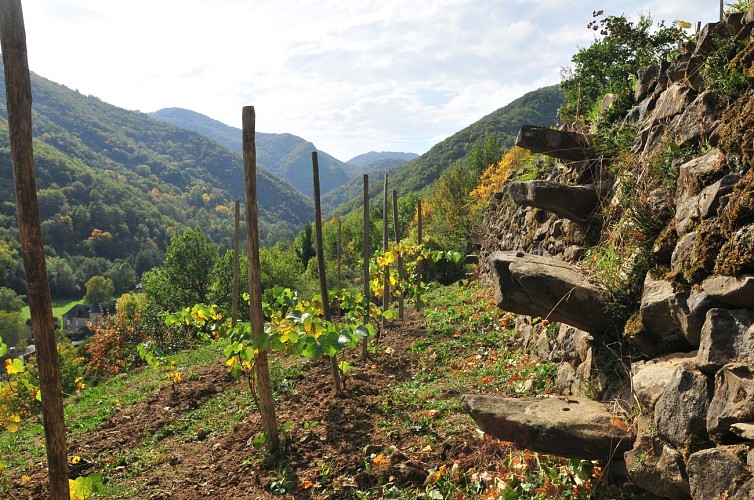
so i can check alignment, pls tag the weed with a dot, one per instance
(282, 483)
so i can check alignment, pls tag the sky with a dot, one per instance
(351, 76)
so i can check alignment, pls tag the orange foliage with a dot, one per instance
(493, 178)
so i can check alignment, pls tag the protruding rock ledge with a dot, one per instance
(575, 203)
(567, 427)
(549, 288)
(567, 146)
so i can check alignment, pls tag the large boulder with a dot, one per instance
(726, 335)
(697, 173)
(662, 310)
(737, 291)
(656, 467)
(575, 203)
(681, 411)
(650, 378)
(568, 427)
(549, 288)
(732, 403)
(712, 472)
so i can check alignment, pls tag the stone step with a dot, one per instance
(550, 288)
(574, 203)
(559, 144)
(568, 427)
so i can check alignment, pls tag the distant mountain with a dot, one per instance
(374, 156)
(115, 184)
(537, 107)
(285, 155)
(377, 161)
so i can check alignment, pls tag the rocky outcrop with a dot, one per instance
(551, 289)
(682, 332)
(568, 427)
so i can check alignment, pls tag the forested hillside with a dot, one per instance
(285, 155)
(114, 185)
(540, 107)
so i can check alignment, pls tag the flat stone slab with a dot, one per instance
(574, 203)
(568, 146)
(568, 427)
(737, 291)
(549, 288)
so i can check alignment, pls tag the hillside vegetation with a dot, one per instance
(114, 185)
(285, 155)
(539, 106)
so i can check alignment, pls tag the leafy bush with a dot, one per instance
(609, 64)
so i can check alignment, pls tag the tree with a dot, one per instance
(63, 281)
(305, 246)
(11, 327)
(185, 277)
(99, 288)
(610, 63)
(123, 276)
(10, 301)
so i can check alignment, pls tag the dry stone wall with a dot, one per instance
(687, 351)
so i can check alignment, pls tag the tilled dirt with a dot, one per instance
(352, 446)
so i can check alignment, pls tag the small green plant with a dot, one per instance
(282, 483)
(154, 357)
(717, 72)
(83, 487)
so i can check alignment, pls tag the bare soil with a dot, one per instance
(346, 451)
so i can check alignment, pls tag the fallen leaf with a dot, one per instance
(435, 476)
(620, 424)
(305, 485)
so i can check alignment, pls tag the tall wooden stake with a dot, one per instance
(236, 263)
(419, 241)
(321, 265)
(340, 241)
(18, 99)
(264, 383)
(386, 287)
(366, 256)
(397, 232)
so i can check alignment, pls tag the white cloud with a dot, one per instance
(351, 76)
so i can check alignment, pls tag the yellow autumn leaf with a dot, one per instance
(175, 377)
(12, 423)
(435, 476)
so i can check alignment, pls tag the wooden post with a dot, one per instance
(397, 235)
(264, 383)
(321, 266)
(366, 255)
(386, 287)
(236, 263)
(18, 98)
(419, 242)
(340, 240)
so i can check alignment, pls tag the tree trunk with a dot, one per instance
(18, 99)
(264, 383)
